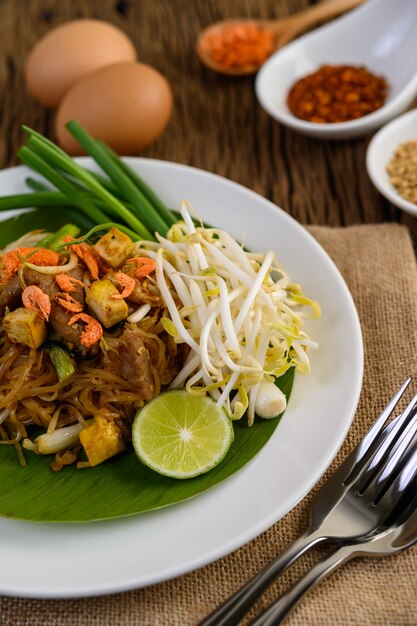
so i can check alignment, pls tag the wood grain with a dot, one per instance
(217, 123)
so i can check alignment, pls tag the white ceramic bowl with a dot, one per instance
(381, 35)
(381, 150)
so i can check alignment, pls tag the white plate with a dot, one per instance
(380, 152)
(113, 556)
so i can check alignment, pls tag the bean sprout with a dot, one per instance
(240, 316)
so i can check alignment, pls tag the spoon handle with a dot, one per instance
(304, 20)
(232, 611)
(279, 609)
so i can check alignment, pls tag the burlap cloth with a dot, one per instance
(379, 267)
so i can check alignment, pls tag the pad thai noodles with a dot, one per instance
(81, 337)
(91, 329)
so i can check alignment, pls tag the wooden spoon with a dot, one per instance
(284, 29)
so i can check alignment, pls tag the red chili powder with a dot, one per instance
(337, 93)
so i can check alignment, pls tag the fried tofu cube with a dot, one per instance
(102, 439)
(108, 310)
(115, 247)
(25, 326)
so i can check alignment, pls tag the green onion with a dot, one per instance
(44, 243)
(36, 185)
(162, 209)
(106, 183)
(53, 198)
(62, 160)
(131, 193)
(28, 200)
(61, 360)
(122, 199)
(29, 157)
(98, 228)
(53, 241)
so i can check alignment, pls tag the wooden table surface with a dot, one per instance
(217, 123)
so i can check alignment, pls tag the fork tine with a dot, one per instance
(371, 439)
(408, 472)
(402, 427)
(399, 449)
(401, 486)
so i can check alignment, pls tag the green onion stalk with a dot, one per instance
(117, 197)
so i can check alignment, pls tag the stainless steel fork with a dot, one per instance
(354, 501)
(400, 536)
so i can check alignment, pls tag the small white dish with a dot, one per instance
(380, 151)
(379, 35)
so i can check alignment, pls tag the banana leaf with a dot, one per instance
(122, 486)
(48, 218)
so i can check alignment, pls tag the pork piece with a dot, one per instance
(47, 282)
(59, 317)
(10, 296)
(128, 356)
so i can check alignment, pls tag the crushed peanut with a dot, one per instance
(402, 170)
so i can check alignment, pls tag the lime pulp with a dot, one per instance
(181, 435)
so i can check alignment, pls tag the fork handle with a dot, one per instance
(278, 610)
(232, 611)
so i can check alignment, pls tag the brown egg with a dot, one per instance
(126, 105)
(70, 52)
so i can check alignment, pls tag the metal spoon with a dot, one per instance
(284, 29)
(399, 537)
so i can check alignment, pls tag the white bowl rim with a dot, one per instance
(384, 187)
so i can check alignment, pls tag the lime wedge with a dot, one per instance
(181, 435)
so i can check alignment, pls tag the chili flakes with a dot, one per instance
(337, 93)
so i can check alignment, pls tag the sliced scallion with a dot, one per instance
(61, 360)
(100, 227)
(54, 240)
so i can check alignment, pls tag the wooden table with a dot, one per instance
(217, 123)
